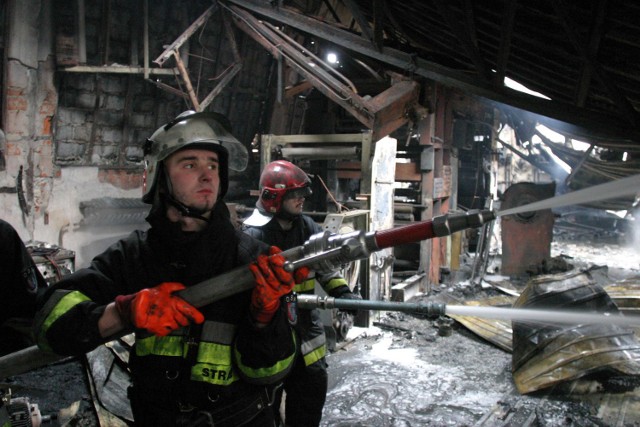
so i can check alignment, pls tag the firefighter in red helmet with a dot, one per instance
(278, 220)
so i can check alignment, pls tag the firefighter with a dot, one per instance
(215, 365)
(22, 281)
(278, 220)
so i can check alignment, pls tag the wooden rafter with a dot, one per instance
(508, 19)
(173, 51)
(623, 104)
(595, 37)
(382, 114)
(365, 28)
(602, 124)
(464, 38)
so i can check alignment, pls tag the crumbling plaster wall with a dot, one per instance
(78, 136)
(30, 101)
(52, 195)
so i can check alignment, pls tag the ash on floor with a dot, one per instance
(404, 373)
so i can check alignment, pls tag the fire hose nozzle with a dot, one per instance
(431, 309)
(445, 225)
(428, 309)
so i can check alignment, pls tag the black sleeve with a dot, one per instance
(21, 280)
(249, 247)
(68, 313)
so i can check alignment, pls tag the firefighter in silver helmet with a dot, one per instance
(192, 130)
(278, 220)
(219, 364)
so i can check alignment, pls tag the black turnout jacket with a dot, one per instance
(217, 361)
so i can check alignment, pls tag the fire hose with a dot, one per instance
(323, 251)
(327, 252)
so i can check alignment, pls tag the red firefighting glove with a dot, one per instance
(157, 310)
(272, 282)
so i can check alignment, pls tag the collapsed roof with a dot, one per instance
(576, 62)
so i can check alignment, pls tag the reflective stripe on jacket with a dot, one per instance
(228, 347)
(214, 362)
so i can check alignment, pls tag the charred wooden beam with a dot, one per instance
(362, 22)
(168, 52)
(224, 78)
(392, 107)
(292, 91)
(187, 81)
(230, 72)
(506, 34)
(464, 38)
(378, 24)
(595, 38)
(609, 126)
(624, 105)
(382, 114)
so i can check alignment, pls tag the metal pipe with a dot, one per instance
(82, 34)
(430, 309)
(321, 152)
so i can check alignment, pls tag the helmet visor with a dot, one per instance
(298, 192)
(238, 155)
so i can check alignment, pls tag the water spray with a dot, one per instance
(448, 224)
(623, 187)
(433, 309)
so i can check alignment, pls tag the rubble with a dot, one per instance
(404, 372)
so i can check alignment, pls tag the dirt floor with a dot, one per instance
(404, 370)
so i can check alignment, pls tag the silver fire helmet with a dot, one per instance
(206, 130)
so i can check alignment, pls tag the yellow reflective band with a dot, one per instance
(309, 346)
(215, 354)
(315, 355)
(269, 374)
(160, 346)
(307, 285)
(334, 283)
(214, 365)
(66, 303)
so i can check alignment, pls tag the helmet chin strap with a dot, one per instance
(184, 210)
(187, 210)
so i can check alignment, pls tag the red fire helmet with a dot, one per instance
(281, 179)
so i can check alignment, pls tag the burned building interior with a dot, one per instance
(400, 112)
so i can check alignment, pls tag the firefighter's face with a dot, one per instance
(195, 177)
(293, 204)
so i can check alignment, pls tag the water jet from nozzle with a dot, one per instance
(622, 187)
(544, 316)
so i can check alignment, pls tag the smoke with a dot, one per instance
(634, 242)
